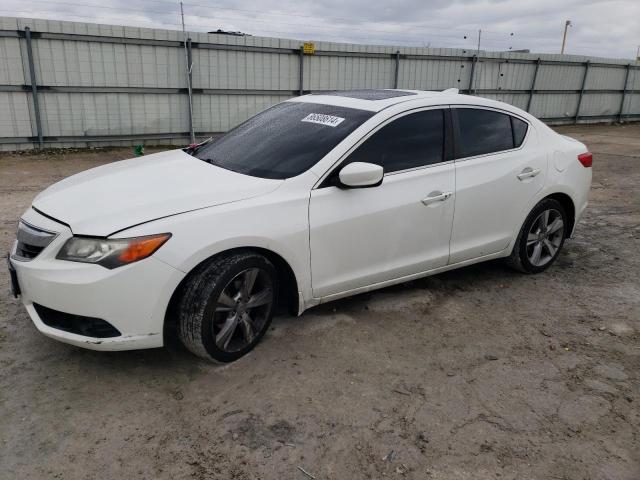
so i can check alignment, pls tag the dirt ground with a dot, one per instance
(473, 374)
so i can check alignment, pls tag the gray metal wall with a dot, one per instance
(113, 85)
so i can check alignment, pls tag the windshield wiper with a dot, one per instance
(194, 147)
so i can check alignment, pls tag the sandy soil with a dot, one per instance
(473, 374)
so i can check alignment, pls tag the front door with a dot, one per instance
(363, 236)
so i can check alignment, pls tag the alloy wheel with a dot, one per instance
(242, 309)
(545, 237)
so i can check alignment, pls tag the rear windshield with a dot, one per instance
(283, 141)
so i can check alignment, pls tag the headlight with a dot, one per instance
(111, 253)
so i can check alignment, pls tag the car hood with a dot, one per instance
(112, 197)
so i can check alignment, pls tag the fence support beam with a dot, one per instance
(624, 92)
(533, 84)
(301, 72)
(474, 59)
(34, 87)
(192, 135)
(395, 76)
(584, 83)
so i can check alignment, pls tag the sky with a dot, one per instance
(599, 28)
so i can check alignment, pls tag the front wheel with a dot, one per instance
(227, 305)
(541, 237)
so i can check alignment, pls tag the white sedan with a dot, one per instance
(317, 198)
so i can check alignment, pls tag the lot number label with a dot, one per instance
(328, 120)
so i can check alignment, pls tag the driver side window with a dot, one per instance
(412, 141)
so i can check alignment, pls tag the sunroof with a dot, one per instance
(367, 94)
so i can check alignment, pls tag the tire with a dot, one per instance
(215, 304)
(533, 236)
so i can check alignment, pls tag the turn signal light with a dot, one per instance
(586, 159)
(142, 247)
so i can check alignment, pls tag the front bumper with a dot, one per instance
(132, 298)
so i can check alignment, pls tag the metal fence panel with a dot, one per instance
(11, 72)
(95, 114)
(515, 76)
(219, 69)
(632, 104)
(560, 77)
(73, 63)
(516, 99)
(338, 73)
(434, 74)
(14, 121)
(594, 104)
(219, 113)
(603, 78)
(546, 105)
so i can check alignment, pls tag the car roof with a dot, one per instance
(376, 100)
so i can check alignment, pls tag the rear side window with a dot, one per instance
(519, 131)
(414, 140)
(483, 131)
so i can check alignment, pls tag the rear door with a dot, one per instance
(363, 236)
(499, 169)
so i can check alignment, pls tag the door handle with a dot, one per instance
(436, 197)
(528, 173)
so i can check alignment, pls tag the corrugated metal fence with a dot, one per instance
(74, 84)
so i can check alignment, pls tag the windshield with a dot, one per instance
(283, 141)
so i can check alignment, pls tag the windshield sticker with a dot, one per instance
(328, 120)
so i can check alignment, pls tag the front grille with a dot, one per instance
(78, 324)
(31, 241)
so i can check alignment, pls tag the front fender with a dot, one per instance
(278, 225)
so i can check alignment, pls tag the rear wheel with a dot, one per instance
(227, 305)
(541, 237)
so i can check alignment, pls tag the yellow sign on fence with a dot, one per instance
(308, 48)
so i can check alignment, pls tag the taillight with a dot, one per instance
(586, 159)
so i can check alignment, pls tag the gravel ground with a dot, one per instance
(473, 374)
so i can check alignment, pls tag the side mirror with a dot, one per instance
(361, 175)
